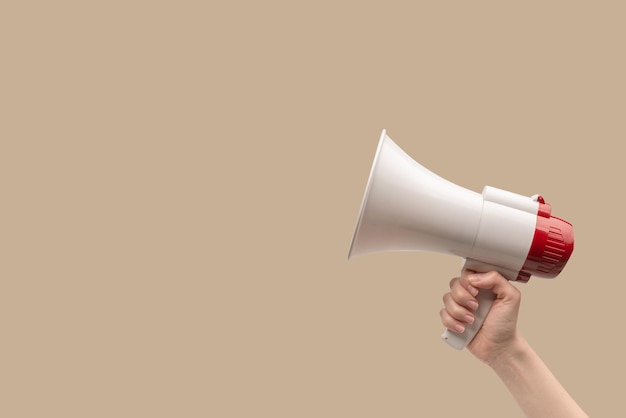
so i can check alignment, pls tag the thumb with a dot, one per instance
(494, 281)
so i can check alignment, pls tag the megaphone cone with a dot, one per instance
(406, 207)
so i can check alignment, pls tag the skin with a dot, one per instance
(499, 345)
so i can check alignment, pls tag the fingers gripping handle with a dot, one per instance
(485, 299)
(459, 341)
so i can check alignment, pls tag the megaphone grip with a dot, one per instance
(460, 340)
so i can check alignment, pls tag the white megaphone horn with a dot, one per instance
(409, 208)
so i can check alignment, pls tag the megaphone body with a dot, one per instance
(406, 207)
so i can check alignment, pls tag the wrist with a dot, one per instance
(531, 383)
(512, 352)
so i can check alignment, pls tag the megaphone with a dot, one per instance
(406, 207)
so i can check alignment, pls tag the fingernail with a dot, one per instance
(459, 328)
(469, 318)
(472, 304)
(472, 290)
(474, 278)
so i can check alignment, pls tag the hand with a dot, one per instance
(498, 344)
(498, 334)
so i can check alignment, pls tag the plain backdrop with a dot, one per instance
(181, 180)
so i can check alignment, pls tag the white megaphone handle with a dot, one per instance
(485, 300)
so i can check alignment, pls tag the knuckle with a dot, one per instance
(453, 281)
(457, 311)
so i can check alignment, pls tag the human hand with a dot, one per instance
(499, 331)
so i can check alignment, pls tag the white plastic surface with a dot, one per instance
(406, 207)
(504, 236)
(510, 199)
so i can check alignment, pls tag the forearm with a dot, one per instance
(532, 384)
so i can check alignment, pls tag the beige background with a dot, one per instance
(181, 180)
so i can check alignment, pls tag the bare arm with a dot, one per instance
(501, 347)
(532, 384)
